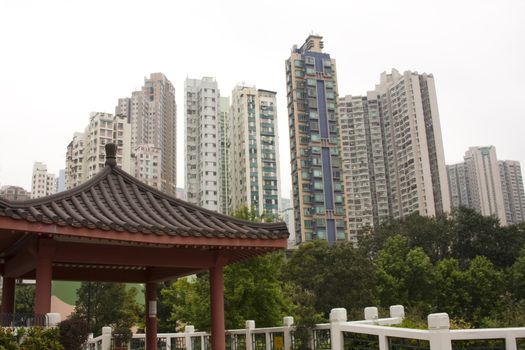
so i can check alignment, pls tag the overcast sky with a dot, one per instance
(61, 60)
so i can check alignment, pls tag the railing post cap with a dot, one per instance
(90, 336)
(371, 313)
(288, 320)
(397, 311)
(338, 315)
(106, 330)
(250, 324)
(53, 318)
(189, 329)
(438, 321)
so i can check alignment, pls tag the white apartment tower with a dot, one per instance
(203, 177)
(86, 152)
(486, 194)
(254, 154)
(513, 192)
(42, 184)
(392, 151)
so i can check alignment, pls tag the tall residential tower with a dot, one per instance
(203, 180)
(254, 151)
(392, 149)
(317, 181)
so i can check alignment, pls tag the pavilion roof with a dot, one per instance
(115, 201)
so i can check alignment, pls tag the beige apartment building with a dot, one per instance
(392, 151)
(85, 155)
(42, 183)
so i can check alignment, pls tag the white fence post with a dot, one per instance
(106, 338)
(371, 313)
(439, 329)
(188, 330)
(510, 343)
(397, 311)
(337, 316)
(250, 325)
(287, 325)
(52, 319)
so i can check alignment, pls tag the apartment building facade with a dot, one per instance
(42, 183)
(254, 151)
(204, 150)
(316, 167)
(513, 191)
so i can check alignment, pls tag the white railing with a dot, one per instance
(377, 332)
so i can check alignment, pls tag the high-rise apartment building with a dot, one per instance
(458, 182)
(317, 181)
(86, 153)
(254, 151)
(203, 175)
(513, 191)
(224, 162)
(393, 151)
(146, 164)
(364, 161)
(478, 184)
(152, 113)
(42, 183)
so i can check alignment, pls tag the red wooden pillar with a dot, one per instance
(217, 308)
(151, 316)
(44, 273)
(8, 298)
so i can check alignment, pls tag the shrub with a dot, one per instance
(38, 338)
(73, 333)
(8, 340)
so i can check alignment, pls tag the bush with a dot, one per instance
(8, 340)
(38, 338)
(73, 333)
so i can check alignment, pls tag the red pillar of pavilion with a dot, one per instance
(8, 298)
(44, 273)
(151, 316)
(217, 308)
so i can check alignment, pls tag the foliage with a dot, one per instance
(8, 339)
(73, 333)
(38, 338)
(122, 335)
(24, 299)
(337, 275)
(93, 306)
(306, 317)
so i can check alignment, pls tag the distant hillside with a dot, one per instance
(67, 291)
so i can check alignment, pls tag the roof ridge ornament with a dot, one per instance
(111, 154)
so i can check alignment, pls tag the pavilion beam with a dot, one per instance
(217, 307)
(21, 263)
(151, 316)
(160, 274)
(132, 256)
(44, 273)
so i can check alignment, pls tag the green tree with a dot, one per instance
(516, 277)
(107, 304)
(452, 294)
(405, 276)
(24, 299)
(337, 275)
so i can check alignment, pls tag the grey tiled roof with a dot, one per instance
(115, 201)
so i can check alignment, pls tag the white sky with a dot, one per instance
(61, 60)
